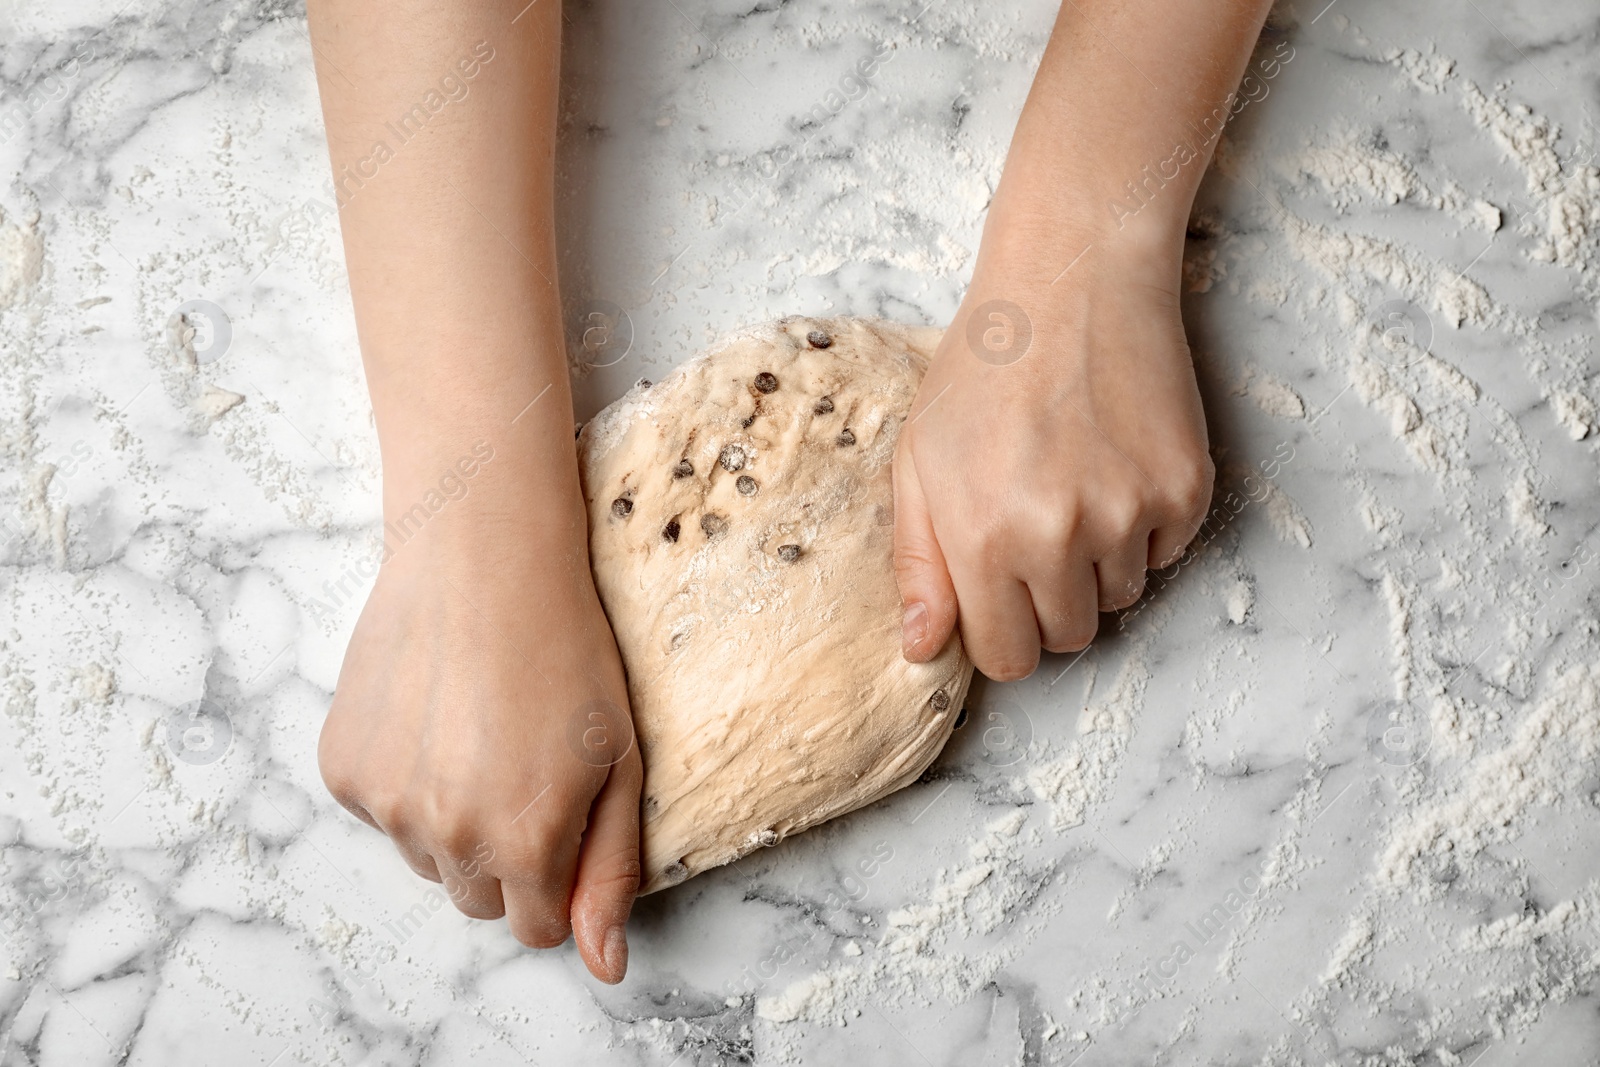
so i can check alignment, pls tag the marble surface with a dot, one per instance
(1361, 655)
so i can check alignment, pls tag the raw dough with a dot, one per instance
(741, 520)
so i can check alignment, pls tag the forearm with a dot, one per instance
(441, 131)
(1121, 122)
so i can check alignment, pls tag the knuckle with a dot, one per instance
(543, 843)
(1189, 486)
(338, 772)
(912, 558)
(453, 829)
(391, 812)
(620, 879)
(1120, 517)
(984, 539)
(341, 785)
(1008, 666)
(541, 932)
(474, 905)
(1075, 636)
(1059, 525)
(1120, 594)
(541, 919)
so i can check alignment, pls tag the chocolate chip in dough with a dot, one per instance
(747, 485)
(713, 525)
(622, 507)
(766, 381)
(818, 339)
(670, 531)
(683, 469)
(845, 438)
(823, 406)
(788, 553)
(732, 458)
(940, 700)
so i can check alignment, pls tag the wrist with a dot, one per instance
(481, 496)
(1055, 230)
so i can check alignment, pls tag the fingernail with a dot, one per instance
(616, 953)
(914, 630)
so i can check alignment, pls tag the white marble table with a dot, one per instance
(1326, 798)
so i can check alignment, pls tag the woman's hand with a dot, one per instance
(1056, 449)
(481, 716)
(481, 722)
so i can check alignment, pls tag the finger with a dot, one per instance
(927, 594)
(1188, 510)
(1065, 605)
(474, 891)
(340, 782)
(537, 866)
(417, 857)
(360, 812)
(608, 873)
(998, 626)
(1168, 543)
(1120, 575)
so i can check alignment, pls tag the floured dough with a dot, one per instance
(741, 520)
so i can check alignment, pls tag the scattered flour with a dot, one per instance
(215, 402)
(1241, 598)
(1576, 412)
(1553, 750)
(96, 684)
(1276, 398)
(1525, 509)
(21, 260)
(1351, 166)
(46, 522)
(1353, 949)
(914, 960)
(1345, 256)
(1568, 195)
(1398, 599)
(1431, 72)
(1524, 931)
(1285, 516)
(1079, 778)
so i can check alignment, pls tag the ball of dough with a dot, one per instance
(741, 521)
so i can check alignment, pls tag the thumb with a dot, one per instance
(608, 872)
(927, 595)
